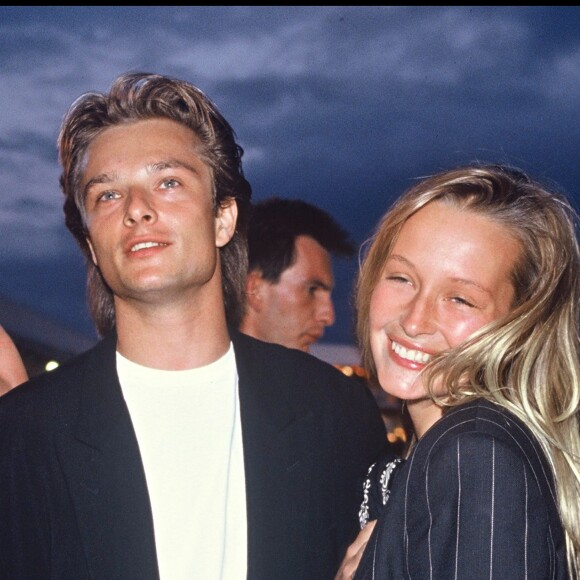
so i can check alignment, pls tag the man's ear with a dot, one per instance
(93, 255)
(225, 222)
(254, 290)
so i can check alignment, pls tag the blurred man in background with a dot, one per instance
(290, 277)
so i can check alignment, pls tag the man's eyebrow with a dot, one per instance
(151, 168)
(320, 284)
(96, 180)
(170, 164)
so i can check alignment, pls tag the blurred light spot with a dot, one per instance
(347, 370)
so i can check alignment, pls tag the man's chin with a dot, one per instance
(306, 345)
(303, 346)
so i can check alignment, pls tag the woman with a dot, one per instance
(12, 369)
(467, 310)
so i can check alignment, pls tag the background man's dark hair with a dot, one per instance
(275, 224)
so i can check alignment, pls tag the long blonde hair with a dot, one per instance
(527, 362)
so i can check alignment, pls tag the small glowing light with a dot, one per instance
(50, 365)
(396, 435)
(400, 433)
(347, 370)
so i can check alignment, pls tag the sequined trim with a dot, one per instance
(384, 480)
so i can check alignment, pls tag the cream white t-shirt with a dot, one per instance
(190, 438)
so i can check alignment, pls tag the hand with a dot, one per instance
(12, 370)
(354, 553)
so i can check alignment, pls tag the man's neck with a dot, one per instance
(248, 327)
(171, 338)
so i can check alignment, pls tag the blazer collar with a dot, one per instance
(102, 464)
(265, 397)
(102, 404)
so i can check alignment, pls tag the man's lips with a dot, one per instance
(137, 245)
(145, 245)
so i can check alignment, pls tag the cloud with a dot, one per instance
(342, 105)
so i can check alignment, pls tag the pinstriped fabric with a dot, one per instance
(374, 559)
(554, 562)
(457, 529)
(475, 501)
(527, 522)
(406, 529)
(492, 511)
(512, 428)
(430, 544)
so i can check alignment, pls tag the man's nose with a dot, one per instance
(138, 207)
(326, 312)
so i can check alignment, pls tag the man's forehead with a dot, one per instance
(309, 272)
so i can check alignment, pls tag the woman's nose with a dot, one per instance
(419, 316)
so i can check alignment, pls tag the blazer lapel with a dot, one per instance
(277, 462)
(101, 462)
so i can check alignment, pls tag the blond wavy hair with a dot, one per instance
(527, 362)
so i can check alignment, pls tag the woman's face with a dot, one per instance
(447, 276)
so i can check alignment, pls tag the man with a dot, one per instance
(177, 447)
(290, 279)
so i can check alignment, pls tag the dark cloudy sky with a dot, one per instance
(340, 105)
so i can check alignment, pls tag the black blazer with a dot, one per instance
(474, 501)
(73, 496)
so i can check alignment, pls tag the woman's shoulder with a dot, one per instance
(480, 429)
(481, 418)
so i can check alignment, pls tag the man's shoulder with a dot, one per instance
(277, 372)
(277, 357)
(296, 380)
(43, 391)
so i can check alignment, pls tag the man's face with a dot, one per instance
(152, 228)
(295, 310)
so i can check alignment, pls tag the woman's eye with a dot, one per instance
(460, 300)
(396, 278)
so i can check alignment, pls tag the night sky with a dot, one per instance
(342, 106)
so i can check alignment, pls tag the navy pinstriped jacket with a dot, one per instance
(474, 501)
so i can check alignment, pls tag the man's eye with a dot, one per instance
(107, 195)
(170, 183)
